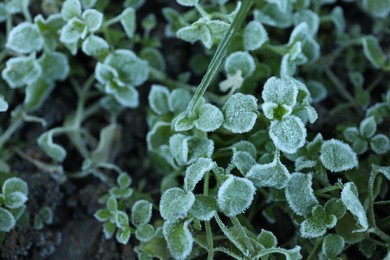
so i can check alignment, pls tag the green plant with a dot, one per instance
(258, 141)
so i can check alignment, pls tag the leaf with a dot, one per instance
(15, 199)
(54, 66)
(218, 29)
(289, 134)
(273, 174)
(159, 99)
(240, 61)
(194, 32)
(188, 2)
(267, 239)
(123, 235)
(196, 171)
(210, 118)
(108, 139)
(254, 35)
(380, 144)
(3, 104)
(112, 205)
(95, 46)
(280, 91)
(127, 96)
(299, 194)
(204, 207)
(337, 156)
(351, 134)
(16, 6)
(332, 245)
(158, 135)
(245, 146)
(243, 161)
(54, 151)
(315, 225)
(317, 90)
(123, 180)
(235, 195)
(145, 232)
(88, 3)
(102, 215)
(108, 229)
(240, 112)
(14, 184)
(199, 148)
(25, 38)
(360, 146)
(141, 212)
(93, 19)
(178, 144)
(175, 203)
(271, 15)
(368, 127)
(350, 199)
(154, 57)
(183, 123)
(377, 8)
(73, 30)
(121, 219)
(128, 21)
(179, 239)
(310, 18)
(71, 9)
(21, 71)
(7, 220)
(373, 51)
(335, 207)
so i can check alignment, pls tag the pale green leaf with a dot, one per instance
(7, 220)
(93, 19)
(141, 212)
(337, 156)
(159, 99)
(242, 61)
(71, 9)
(21, 71)
(179, 239)
(175, 203)
(128, 21)
(204, 207)
(350, 199)
(25, 38)
(95, 46)
(210, 118)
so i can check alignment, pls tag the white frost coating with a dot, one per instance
(54, 66)
(21, 71)
(204, 207)
(299, 34)
(179, 100)
(245, 146)
(299, 194)
(73, 31)
(332, 245)
(179, 239)
(368, 127)
(380, 144)
(196, 171)
(128, 21)
(309, 229)
(93, 19)
(280, 91)
(53, 150)
(210, 118)
(273, 174)
(127, 96)
(337, 156)
(235, 195)
(240, 112)
(175, 203)
(25, 38)
(188, 2)
(199, 148)
(71, 9)
(289, 134)
(94, 46)
(240, 60)
(350, 199)
(255, 36)
(15, 199)
(243, 161)
(7, 220)
(3, 104)
(178, 144)
(158, 99)
(141, 212)
(311, 18)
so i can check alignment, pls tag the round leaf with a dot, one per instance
(175, 203)
(210, 118)
(25, 38)
(179, 239)
(242, 61)
(255, 36)
(337, 156)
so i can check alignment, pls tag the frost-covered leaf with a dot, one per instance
(199, 148)
(7, 220)
(255, 36)
(112, 205)
(273, 174)
(179, 239)
(188, 2)
(218, 29)
(337, 156)
(351, 134)
(71, 9)
(93, 19)
(350, 199)
(267, 239)
(127, 96)
(14, 184)
(242, 61)
(314, 226)
(273, 16)
(3, 104)
(245, 146)
(243, 161)
(128, 21)
(159, 99)
(204, 207)
(131, 69)
(95, 46)
(240, 112)
(194, 32)
(196, 171)
(102, 215)
(377, 8)
(299, 33)
(54, 151)
(121, 193)
(123, 235)
(178, 145)
(235, 195)
(175, 203)
(332, 245)
(145, 232)
(335, 207)
(289, 134)
(74, 30)
(210, 118)
(25, 38)
(158, 135)
(373, 51)
(280, 91)
(121, 219)
(310, 18)
(183, 123)
(317, 91)
(20, 71)
(88, 3)
(360, 146)
(123, 180)
(109, 229)
(368, 127)
(141, 212)
(54, 66)
(16, 6)
(380, 144)
(15, 199)
(154, 57)
(300, 195)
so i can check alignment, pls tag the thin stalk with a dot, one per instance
(17, 122)
(340, 87)
(209, 234)
(383, 202)
(218, 57)
(202, 12)
(337, 186)
(228, 252)
(315, 249)
(242, 233)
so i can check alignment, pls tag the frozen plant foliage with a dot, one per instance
(350, 199)
(337, 156)
(179, 238)
(175, 203)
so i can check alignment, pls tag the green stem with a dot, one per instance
(243, 234)
(340, 87)
(202, 12)
(16, 123)
(218, 57)
(315, 249)
(228, 252)
(337, 186)
(209, 234)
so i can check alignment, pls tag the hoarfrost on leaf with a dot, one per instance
(55, 151)
(280, 91)
(267, 239)
(188, 2)
(255, 36)
(242, 61)
(179, 239)
(368, 127)
(373, 51)
(7, 220)
(95, 46)
(93, 19)
(128, 21)
(337, 156)
(350, 199)
(332, 245)
(210, 118)
(289, 134)
(159, 99)
(235, 195)
(71, 9)
(175, 203)
(204, 207)
(141, 212)
(25, 38)
(54, 66)
(21, 71)
(196, 171)
(380, 144)
(240, 112)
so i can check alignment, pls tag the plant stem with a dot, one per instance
(242, 233)
(337, 186)
(315, 248)
(218, 57)
(209, 234)
(16, 123)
